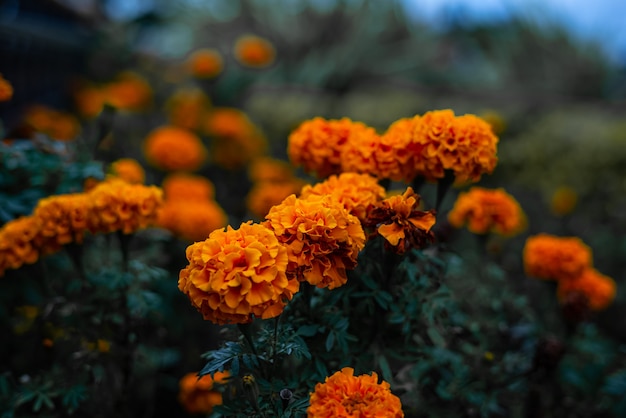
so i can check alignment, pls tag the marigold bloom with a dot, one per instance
(17, 243)
(359, 153)
(270, 170)
(187, 187)
(563, 201)
(254, 51)
(399, 220)
(89, 101)
(555, 258)
(344, 395)
(357, 192)
(596, 287)
(318, 144)
(63, 219)
(197, 396)
(486, 210)
(396, 152)
(120, 206)
(129, 170)
(466, 145)
(130, 91)
(322, 238)
(6, 89)
(238, 274)
(57, 125)
(266, 194)
(191, 220)
(186, 108)
(205, 63)
(171, 148)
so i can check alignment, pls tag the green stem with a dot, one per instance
(274, 342)
(125, 248)
(443, 186)
(247, 335)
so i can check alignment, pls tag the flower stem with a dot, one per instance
(443, 186)
(247, 335)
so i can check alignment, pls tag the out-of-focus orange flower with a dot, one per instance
(322, 238)
(318, 144)
(186, 108)
(205, 63)
(465, 145)
(57, 125)
(238, 274)
(121, 206)
(197, 395)
(598, 289)
(186, 187)
(171, 148)
(563, 201)
(396, 152)
(399, 220)
(344, 395)
(556, 258)
(89, 100)
(266, 169)
(63, 219)
(192, 220)
(254, 51)
(228, 122)
(357, 192)
(17, 243)
(6, 89)
(129, 91)
(266, 194)
(488, 210)
(129, 170)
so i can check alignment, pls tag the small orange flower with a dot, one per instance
(89, 101)
(271, 170)
(322, 238)
(344, 395)
(236, 275)
(197, 395)
(357, 192)
(266, 194)
(399, 220)
(186, 108)
(6, 89)
(318, 144)
(205, 63)
(191, 220)
(170, 148)
(563, 201)
(57, 125)
(129, 91)
(17, 243)
(556, 258)
(63, 219)
(129, 170)
(396, 152)
(485, 210)
(596, 287)
(253, 51)
(186, 187)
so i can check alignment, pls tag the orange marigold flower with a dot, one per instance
(57, 125)
(63, 219)
(129, 170)
(396, 151)
(344, 395)
(228, 122)
(322, 238)
(238, 274)
(17, 243)
(466, 145)
(171, 148)
(205, 63)
(563, 201)
(270, 169)
(192, 220)
(197, 394)
(486, 210)
(6, 89)
(254, 51)
(186, 108)
(89, 101)
(556, 258)
(359, 153)
(399, 220)
(357, 192)
(266, 194)
(121, 206)
(318, 144)
(598, 289)
(130, 91)
(187, 187)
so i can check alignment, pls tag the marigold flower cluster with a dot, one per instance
(19, 243)
(238, 274)
(6, 89)
(344, 395)
(56, 124)
(568, 261)
(186, 108)
(198, 395)
(129, 170)
(171, 148)
(322, 238)
(399, 220)
(190, 211)
(205, 63)
(254, 51)
(488, 210)
(62, 219)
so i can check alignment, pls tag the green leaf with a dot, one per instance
(435, 337)
(385, 369)
(308, 330)
(330, 341)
